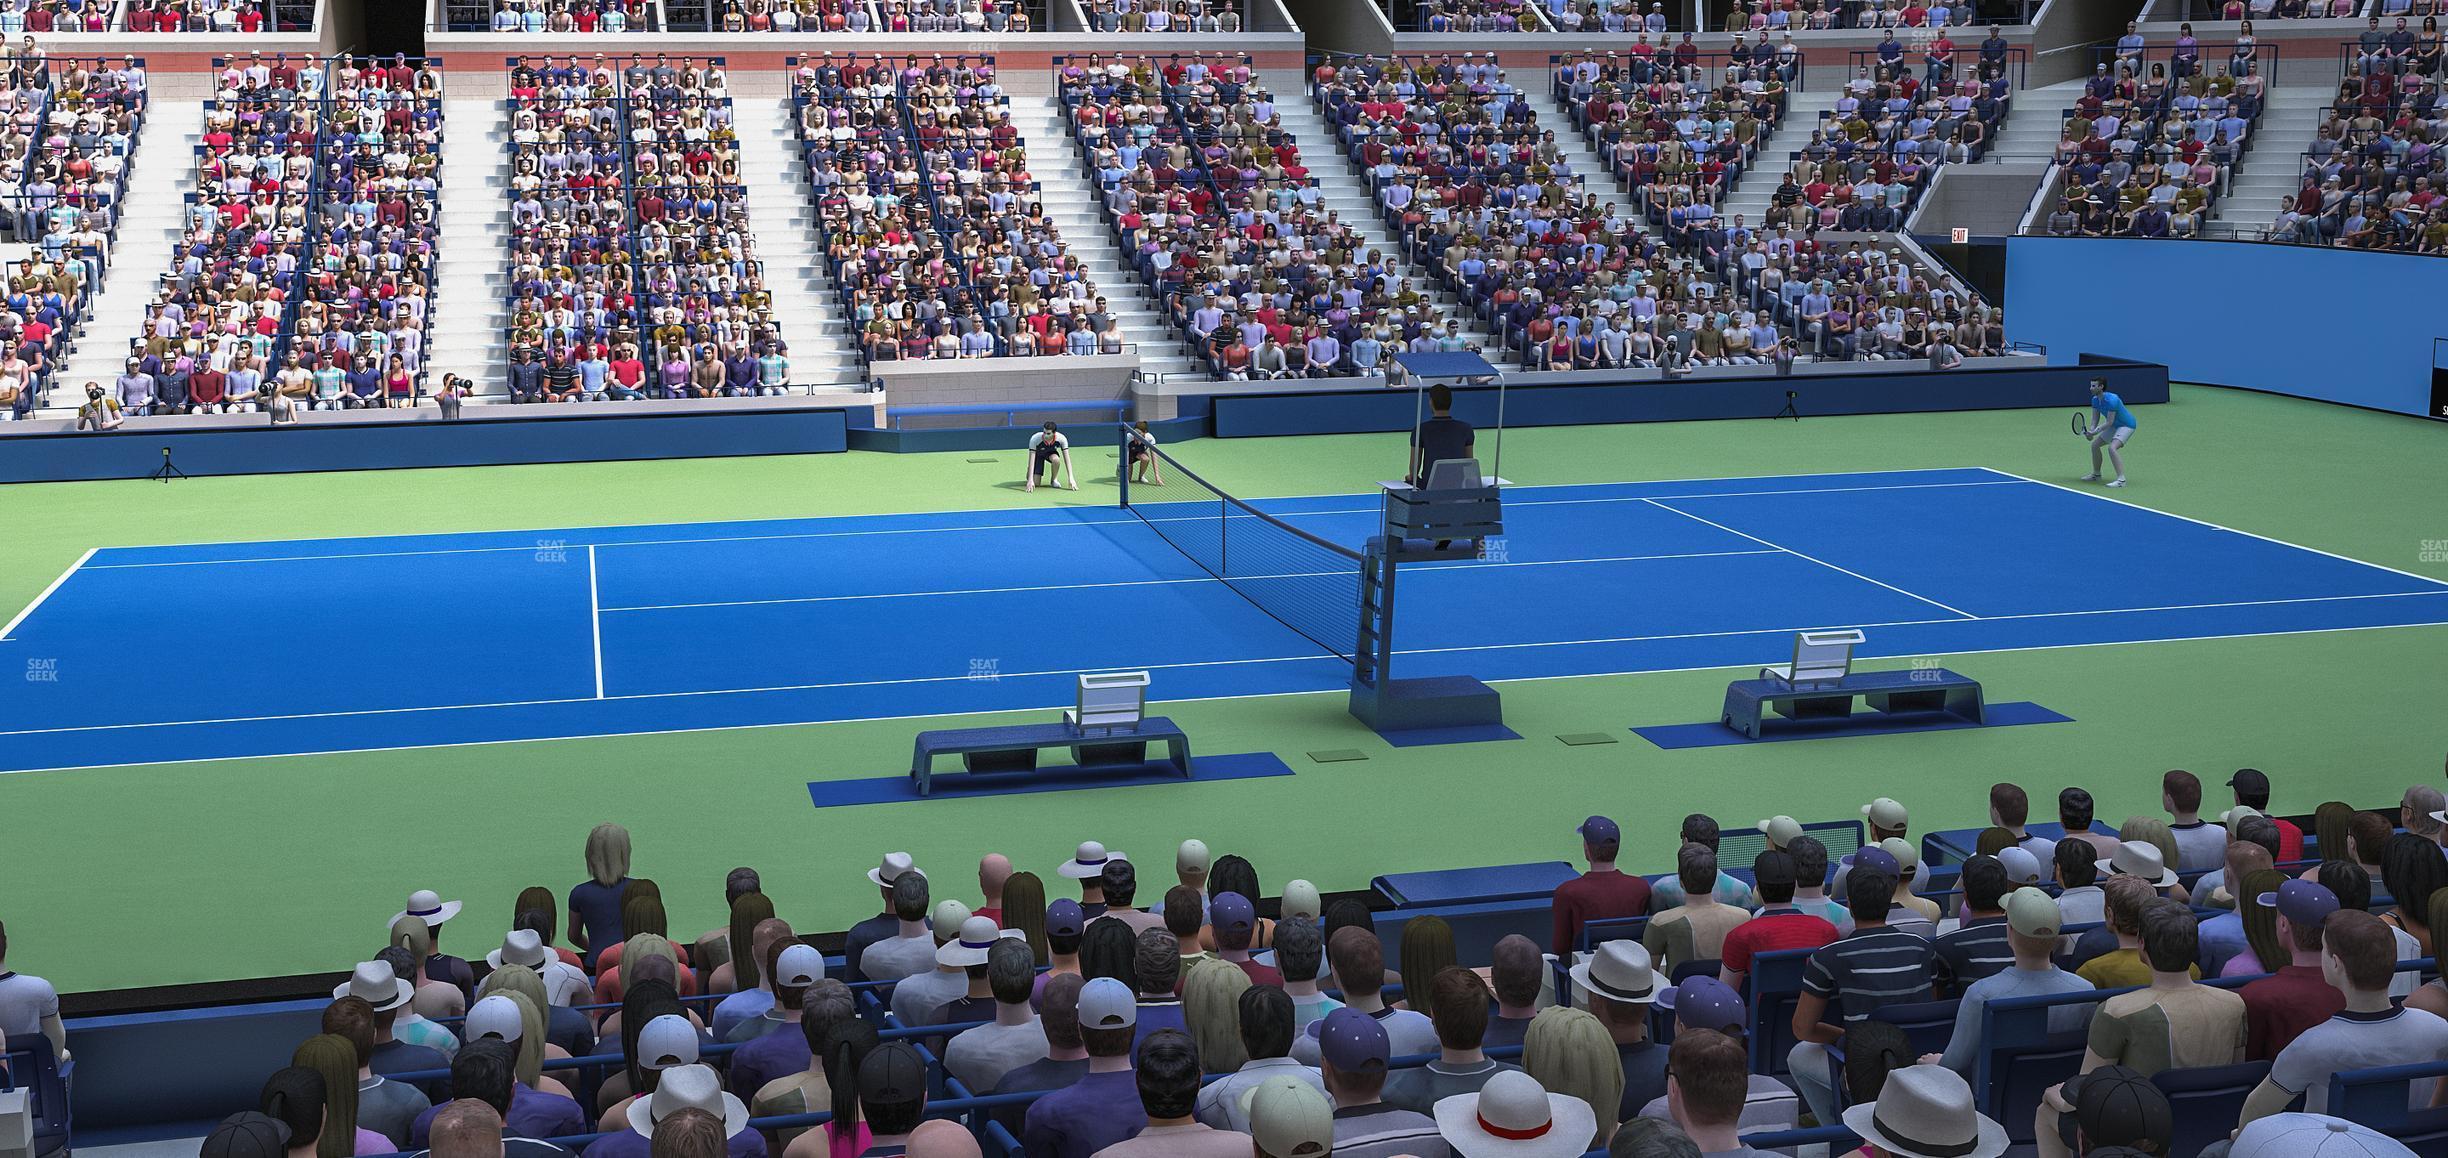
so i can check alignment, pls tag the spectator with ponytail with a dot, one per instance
(333, 1059)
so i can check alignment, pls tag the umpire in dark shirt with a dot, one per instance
(1441, 438)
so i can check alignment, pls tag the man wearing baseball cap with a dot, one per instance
(2313, 1136)
(2032, 926)
(1353, 1050)
(892, 1084)
(2295, 996)
(1847, 980)
(1168, 1075)
(2115, 1107)
(782, 1049)
(1102, 1107)
(1191, 864)
(2359, 958)
(1887, 820)
(1704, 1007)
(1778, 925)
(1602, 893)
(254, 1135)
(1065, 922)
(1235, 921)
(1290, 1119)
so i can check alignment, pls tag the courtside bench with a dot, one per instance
(1014, 748)
(1915, 690)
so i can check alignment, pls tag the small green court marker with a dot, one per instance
(1338, 756)
(1585, 739)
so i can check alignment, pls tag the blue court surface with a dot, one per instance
(150, 654)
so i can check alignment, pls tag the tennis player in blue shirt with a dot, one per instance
(2111, 427)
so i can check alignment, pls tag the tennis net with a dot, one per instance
(1307, 583)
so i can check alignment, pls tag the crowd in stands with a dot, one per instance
(1211, 1020)
(1677, 132)
(206, 16)
(931, 220)
(1475, 16)
(69, 125)
(23, 16)
(1815, 15)
(305, 266)
(570, 16)
(1215, 207)
(2156, 137)
(2374, 176)
(1164, 15)
(803, 16)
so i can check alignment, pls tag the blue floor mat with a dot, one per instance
(1675, 737)
(1055, 778)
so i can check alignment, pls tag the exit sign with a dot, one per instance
(1960, 235)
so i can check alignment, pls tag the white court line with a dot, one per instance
(2219, 527)
(1166, 582)
(1040, 708)
(595, 619)
(1067, 523)
(1807, 558)
(965, 678)
(46, 593)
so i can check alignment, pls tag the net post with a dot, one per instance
(1123, 465)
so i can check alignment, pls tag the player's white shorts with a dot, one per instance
(2115, 437)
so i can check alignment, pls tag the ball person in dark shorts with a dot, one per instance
(1050, 457)
(1145, 467)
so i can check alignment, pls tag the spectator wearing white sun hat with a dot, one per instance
(1087, 866)
(428, 906)
(1512, 1116)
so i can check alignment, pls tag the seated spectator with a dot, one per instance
(1701, 829)
(920, 997)
(1265, 1019)
(2358, 957)
(1458, 1006)
(1100, 1107)
(912, 949)
(2117, 1108)
(1851, 977)
(1157, 971)
(2111, 957)
(1299, 956)
(1704, 1006)
(1516, 972)
(1977, 947)
(822, 1008)
(774, 1046)
(1353, 1053)
(29, 1006)
(1926, 1111)
(1168, 1077)
(2172, 1022)
(2296, 995)
(1359, 970)
(2033, 922)
(1235, 922)
(1066, 1056)
(1620, 986)
(1696, 929)
(2252, 790)
(2077, 868)
(1780, 923)
(980, 1056)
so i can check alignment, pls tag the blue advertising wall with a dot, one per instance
(2326, 324)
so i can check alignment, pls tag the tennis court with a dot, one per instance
(171, 653)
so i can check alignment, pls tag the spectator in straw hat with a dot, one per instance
(1087, 866)
(387, 995)
(1621, 987)
(883, 925)
(687, 1087)
(428, 906)
(1926, 1112)
(1512, 1117)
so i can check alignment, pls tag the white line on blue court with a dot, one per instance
(595, 619)
(1066, 523)
(1808, 559)
(46, 593)
(1475, 566)
(1311, 658)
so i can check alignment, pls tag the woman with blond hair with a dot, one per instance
(434, 1000)
(561, 1024)
(608, 986)
(509, 1012)
(1570, 1052)
(595, 903)
(331, 1055)
(1211, 1005)
(2155, 832)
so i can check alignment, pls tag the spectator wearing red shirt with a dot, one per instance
(1602, 893)
(2294, 997)
(1778, 925)
(2252, 790)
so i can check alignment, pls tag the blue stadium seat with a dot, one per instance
(2378, 1098)
(31, 1066)
(2208, 1100)
(1775, 985)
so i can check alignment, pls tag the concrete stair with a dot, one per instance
(808, 309)
(2035, 122)
(2273, 167)
(1071, 202)
(161, 170)
(1751, 196)
(467, 334)
(1347, 195)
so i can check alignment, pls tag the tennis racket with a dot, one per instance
(2082, 423)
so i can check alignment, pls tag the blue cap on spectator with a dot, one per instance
(1600, 830)
(2302, 903)
(1231, 913)
(1705, 1003)
(1877, 858)
(1065, 918)
(1353, 1042)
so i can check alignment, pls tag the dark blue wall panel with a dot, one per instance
(1378, 410)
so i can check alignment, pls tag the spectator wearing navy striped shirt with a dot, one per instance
(1977, 947)
(1851, 977)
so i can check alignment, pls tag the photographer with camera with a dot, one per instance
(100, 412)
